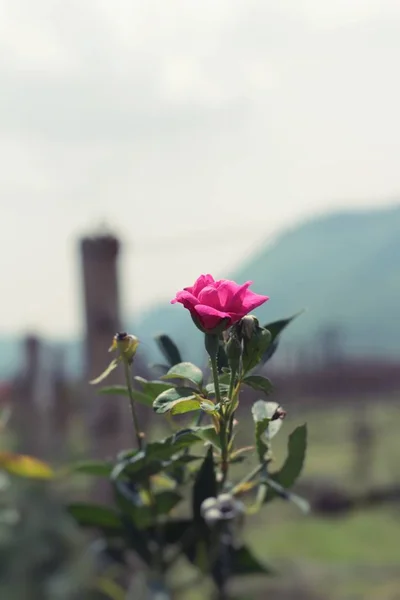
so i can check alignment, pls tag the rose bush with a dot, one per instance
(179, 498)
(213, 303)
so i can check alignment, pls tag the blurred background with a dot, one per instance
(145, 142)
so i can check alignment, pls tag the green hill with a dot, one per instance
(343, 268)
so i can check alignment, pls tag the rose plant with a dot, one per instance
(177, 498)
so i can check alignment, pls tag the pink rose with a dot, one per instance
(211, 302)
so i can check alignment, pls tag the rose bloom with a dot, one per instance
(212, 303)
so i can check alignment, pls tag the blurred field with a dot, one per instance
(357, 556)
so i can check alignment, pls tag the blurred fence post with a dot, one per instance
(363, 443)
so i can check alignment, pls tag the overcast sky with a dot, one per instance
(170, 118)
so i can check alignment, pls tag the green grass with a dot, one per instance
(361, 538)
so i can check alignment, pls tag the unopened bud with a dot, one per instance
(224, 499)
(229, 506)
(207, 504)
(224, 508)
(213, 516)
(248, 325)
(126, 344)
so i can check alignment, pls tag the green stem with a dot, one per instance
(158, 554)
(214, 368)
(222, 427)
(212, 346)
(135, 420)
(231, 402)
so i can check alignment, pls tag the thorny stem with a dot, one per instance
(232, 384)
(222, 428)
(135, 420)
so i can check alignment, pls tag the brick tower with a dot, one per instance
(99, 256)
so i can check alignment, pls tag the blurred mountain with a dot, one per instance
(343, 268)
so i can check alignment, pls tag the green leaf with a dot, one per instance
(245, 563)
(100, 468)
(115, 390)
(168, 349)
(110, 522)
(292, 467)
(171, 445)
(178, 471)
(173, 530)
(164, 402)
(223, 388)
(285, 494)
(205, 485)
(208, 434)
(152, 388)
(261, 421)
(254, 348)
(225, 378)
(265, 428)
(124, 454)
(186, 371)
(143, 514)
(152, 461)
(23, 465)
(166, 501)
(95, 515)
(142, 398)
(257, 382)
(184, 405)
(136, 539)
(276, 329)
(113, 365)
(136, 469)
(122, 390)
(208, 407)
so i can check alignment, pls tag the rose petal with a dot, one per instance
(186, 298)
(252, 301)
(200, 283)
(209, 316)
(226, 292)
(209, 296)
(236, 303)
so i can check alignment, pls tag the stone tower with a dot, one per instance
(99, 256)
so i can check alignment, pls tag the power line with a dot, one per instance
(198, 239)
